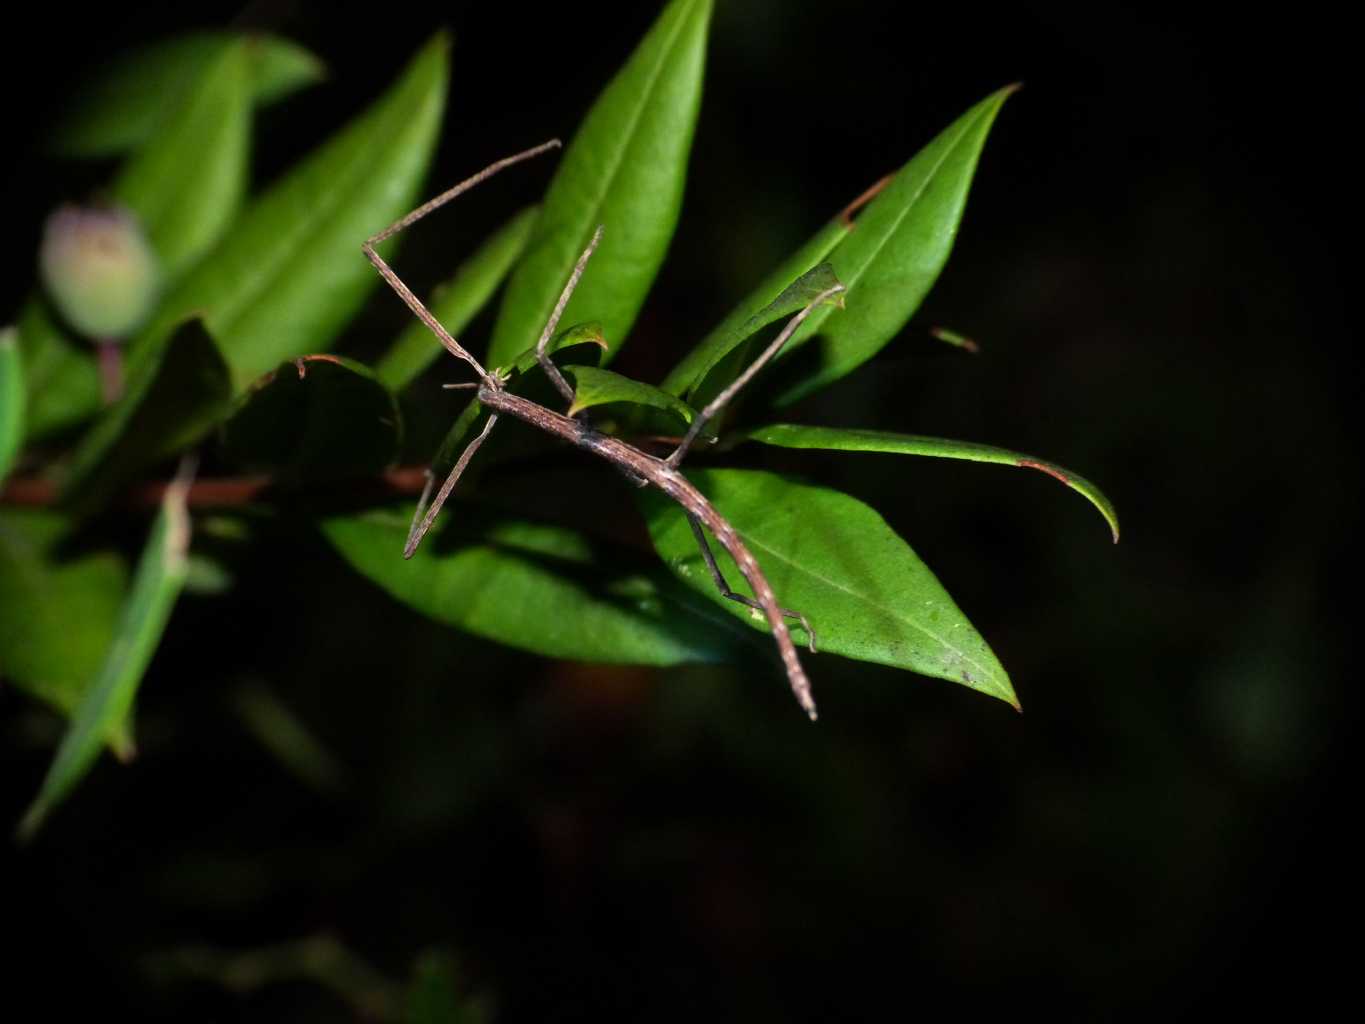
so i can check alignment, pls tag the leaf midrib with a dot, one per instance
(986, 670)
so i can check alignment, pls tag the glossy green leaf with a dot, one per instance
(156, 585)
(790, 435)
(894, 257)
(12, 400)
(289, 274)
(536, 586)
(60, 373)
(457, 302)
(829, 556)
(762, 306)
(589, 333)
(125, 102)
(187, 183)
(625, 170)
(60, 607)
(315, 418)
(183, 393)
(595, 387)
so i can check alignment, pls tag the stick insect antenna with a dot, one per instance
(718, 403)
(404, 292)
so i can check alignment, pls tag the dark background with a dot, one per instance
(1152, 262)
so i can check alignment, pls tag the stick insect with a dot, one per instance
(639, 466)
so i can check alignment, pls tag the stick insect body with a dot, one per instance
(640, 466)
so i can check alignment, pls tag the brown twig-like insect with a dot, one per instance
(639, 466)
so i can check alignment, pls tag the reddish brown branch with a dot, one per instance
(209, 492)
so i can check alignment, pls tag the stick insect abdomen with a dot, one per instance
(658, 473)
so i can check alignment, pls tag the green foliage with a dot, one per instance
(61, 605)
(316, 418)
(183, 391)
(11, 399)
(893, 259)
(791, 435)
(624, 170)
(124, 104)
(237, 362)
(539, 586)
(104, 706)
(866, 594)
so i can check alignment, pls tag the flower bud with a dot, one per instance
(99, 269)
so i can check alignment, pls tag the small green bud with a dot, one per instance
(99, 269)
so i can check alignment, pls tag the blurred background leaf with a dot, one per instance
(316, 418)
(11, 399)
(187, 182)
(129, 99)
(104, 706)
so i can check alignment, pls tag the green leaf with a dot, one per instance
(834, 559)
(289, 274)
(11, 399)
(536, 586)
(123, 105)
(436, 997)
(625, 170)
(589, 333)
(894, 257)
(790, 435)
(60, 373)
(315, 418)
(188, 182)
(160, 575)
(749, 316)
(60, 608)
(183, 393)
(457, 302)
(601, 387)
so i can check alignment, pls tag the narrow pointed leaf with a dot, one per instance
(535, 586)
(791, 435)
(124, 103)
(188, 181)
(315, 418)
(184, 391)
(686, 378)
(289, 274)
(595, 387)
(589, 333)
(60, 607)
(624, 170)
(457, 302)
(829, 556)
(60, 374)
(890, 262)
(156, 585)
(11, 400)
